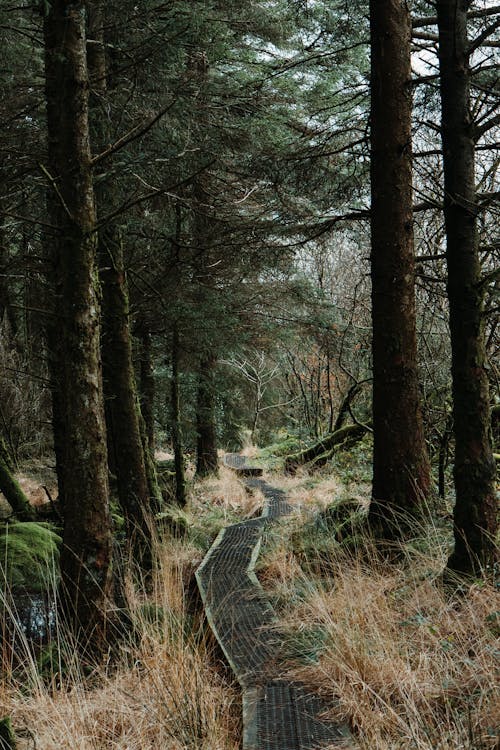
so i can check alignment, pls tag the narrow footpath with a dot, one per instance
(278, 714)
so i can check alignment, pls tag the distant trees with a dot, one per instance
(401, 469)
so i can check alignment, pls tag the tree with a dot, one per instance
(86, 551)
(475, 513)
(120, 390)
(401, 470)
(11, 488)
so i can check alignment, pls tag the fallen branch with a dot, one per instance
(320, 452)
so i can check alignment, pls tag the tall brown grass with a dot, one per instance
(408, 663)
(164, 688)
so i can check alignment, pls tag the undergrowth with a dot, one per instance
(406, 662)
(163, 685)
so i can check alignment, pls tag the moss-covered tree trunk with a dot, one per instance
(401, 471)
(321, 451)
(475, 514)
(11, 489)
(120, 389)
(8, 739)
(121, 392)
(86, 550)
(207, 462)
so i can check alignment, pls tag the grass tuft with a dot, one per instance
(405, 662)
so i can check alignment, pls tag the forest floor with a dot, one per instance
(406, 663)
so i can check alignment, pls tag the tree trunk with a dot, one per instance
(321, 451)
(146, 416)
(6, 309)
(207, 462)
(11, 488)
(475, 514)
(401, 470)
(86, 549)
(180, 477)
(444, 444)
(346, 406)
(147, 384)
(120, 390)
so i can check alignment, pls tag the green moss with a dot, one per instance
(29, 554)
(174, 520)
(273, 456)
(7, 736)
(166, 482)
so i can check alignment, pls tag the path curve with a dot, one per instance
(278, 714)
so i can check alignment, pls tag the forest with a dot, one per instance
(249, 270)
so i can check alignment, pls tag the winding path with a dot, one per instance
(278, 714)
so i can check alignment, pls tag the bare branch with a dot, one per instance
(482, 129)
(488, 31)
(432, 20)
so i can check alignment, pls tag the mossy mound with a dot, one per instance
(273, 456)
(165, 473)
(29, 555)
(174, 520)
(341, 524)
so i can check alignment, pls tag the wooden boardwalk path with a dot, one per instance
(278, 714)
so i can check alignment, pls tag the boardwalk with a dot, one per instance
(278, 714)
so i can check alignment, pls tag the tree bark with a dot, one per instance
(147, 383)
(11, 488)
(146, 416)
(86, 550)
(120, 389)
(475, 513)
(401, 470)
(207, 462)
(6, 309)
(180, 476)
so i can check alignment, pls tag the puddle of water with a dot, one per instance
(31, 616)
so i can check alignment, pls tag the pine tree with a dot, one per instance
(401, 470)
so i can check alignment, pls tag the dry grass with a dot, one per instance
(310, 495)
(164, 690)
(226, 493)
(409, 665)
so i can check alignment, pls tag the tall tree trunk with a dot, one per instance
(146, 415)
(207, 462)
(55, 361)
(401, 470)
(120, 390)
(180, 476)
(147, 383)
(475, 514)
(86, 550)
(6, 309)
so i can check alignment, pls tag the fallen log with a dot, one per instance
(11, 488)
(323, 450)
